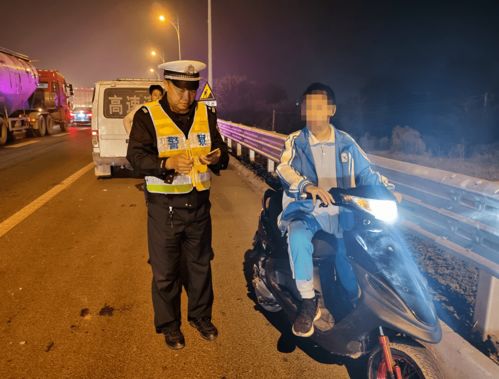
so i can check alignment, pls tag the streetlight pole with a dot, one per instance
(210, 57)
(177, 29)
(178, 38)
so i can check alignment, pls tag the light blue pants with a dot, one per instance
(300, 247)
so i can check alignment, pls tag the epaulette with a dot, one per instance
(212, 109)
(144, 109)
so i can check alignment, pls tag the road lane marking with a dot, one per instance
(60, 134)
(39, 202)
(21, 144)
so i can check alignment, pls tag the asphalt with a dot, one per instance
(75, 283)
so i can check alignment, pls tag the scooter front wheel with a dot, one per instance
(414, 361)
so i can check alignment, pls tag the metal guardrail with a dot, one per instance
(458, 213)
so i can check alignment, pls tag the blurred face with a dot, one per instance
(156, 95)
(179, 99)
(316, 110)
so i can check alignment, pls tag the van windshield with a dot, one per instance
(118, 102)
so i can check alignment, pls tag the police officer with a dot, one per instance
(174, 144)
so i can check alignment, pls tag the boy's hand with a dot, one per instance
(325, 196)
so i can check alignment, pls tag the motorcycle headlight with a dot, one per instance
(383, 210)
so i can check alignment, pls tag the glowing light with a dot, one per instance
(162, 18)
(153, 53)
(151, 70)
(383, 210)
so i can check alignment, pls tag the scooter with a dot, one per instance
(393, 297)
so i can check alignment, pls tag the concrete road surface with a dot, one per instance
(75, 283)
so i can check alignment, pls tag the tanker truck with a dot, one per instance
(31, 101)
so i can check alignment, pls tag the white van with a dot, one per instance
(112, 101)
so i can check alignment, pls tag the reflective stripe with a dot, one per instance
(180, 184)
(156, 185)
(169, 188)
(178, 180)
(352, 172)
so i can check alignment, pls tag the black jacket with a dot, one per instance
(142, 152)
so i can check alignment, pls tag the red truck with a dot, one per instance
(31, 101)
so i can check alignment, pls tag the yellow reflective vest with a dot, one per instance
(171, 141)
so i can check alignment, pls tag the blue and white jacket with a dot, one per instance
(297, 170)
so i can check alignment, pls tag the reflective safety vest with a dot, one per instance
(171, 141)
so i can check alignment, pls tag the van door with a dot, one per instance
(115, 104)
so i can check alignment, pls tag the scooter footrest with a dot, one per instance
(325, 322)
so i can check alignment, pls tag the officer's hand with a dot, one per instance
(211, 158)
(180, 163)
(320, 193)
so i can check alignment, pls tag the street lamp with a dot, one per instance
(153, 71)
(154, 53)
(176, 26)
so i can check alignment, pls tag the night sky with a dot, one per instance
(439, 50)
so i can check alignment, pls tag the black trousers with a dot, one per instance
(179, 253)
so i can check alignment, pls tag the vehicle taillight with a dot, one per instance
(95, 138)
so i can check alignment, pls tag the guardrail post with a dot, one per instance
(239, 151)
(270, 165)
(486, 313)
(252, 155)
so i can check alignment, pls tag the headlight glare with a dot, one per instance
(383, 210)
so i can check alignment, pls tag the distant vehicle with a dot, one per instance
(82, 97)
(113, 100)
(31, 100)
(81, 116)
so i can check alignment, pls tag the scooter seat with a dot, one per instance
(324, 243)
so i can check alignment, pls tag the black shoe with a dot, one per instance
(205, 327)
(174, 338)
(308, 313)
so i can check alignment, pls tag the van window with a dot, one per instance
(118, 102)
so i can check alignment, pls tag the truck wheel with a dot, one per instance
(41, 127)
(4, 131)
(50, 125)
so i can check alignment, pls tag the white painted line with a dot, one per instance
(60, 134)
(39, 202)
(21, 144)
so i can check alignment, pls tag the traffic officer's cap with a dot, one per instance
(183, 74)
